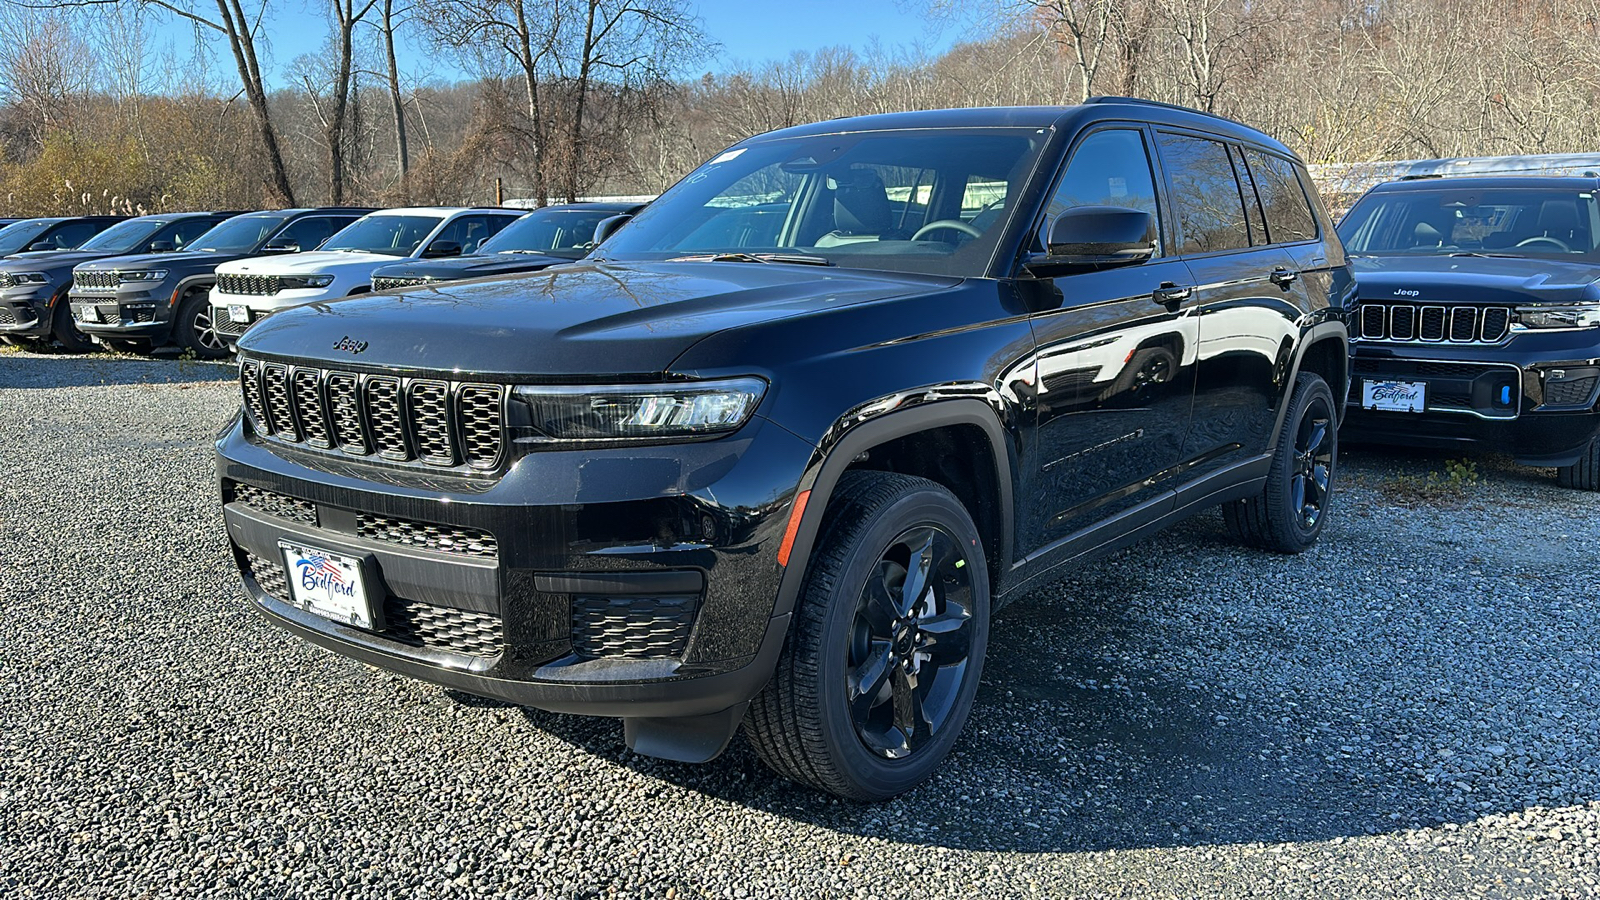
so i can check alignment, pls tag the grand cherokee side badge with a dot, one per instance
(345, 343)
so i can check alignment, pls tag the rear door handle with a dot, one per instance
(1283, 276)
(1170, 294)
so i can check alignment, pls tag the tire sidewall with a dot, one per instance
(188, 337)
(871, 774)
(1311, 387)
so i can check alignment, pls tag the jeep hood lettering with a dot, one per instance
(1474, 279)
(572, 323)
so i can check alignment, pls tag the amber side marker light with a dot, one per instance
(794, 527)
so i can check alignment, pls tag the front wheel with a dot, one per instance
(883, 661)
(1585, 473)
(197, 327)
(65, 331)
(1288, 515)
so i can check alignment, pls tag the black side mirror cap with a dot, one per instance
(1095, 237)
(37, 246)
(441, 249)
(609, 226)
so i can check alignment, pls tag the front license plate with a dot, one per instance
(238, 313)
(91, 313)
(327, 584)
(1395, 396)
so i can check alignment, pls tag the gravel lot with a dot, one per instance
(1408, 710)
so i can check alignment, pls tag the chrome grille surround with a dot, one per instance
(1411, 323)
(428, 422)
(249, 285)
(100, 280)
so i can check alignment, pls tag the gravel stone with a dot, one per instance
(1407, 710)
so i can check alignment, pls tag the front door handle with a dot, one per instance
(1170, 294)
(1283, 277)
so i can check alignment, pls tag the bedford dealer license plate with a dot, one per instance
(1395, 396)
(238, 313)
(327, 584)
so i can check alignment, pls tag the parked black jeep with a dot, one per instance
(35, 283)
(1479, 318)
(719, 475)
(138, 303)
(27, 311)
(541, 239)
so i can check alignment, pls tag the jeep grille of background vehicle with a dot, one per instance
(386, 283)
(257, 285)
(632, 627)
(441, 628)
(1418, 323)
(443, 538)
(426, 421)
(275, 504)
(95, 281)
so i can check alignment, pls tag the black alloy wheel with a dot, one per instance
(910, 642)
(1289, 513)
(1313, 463)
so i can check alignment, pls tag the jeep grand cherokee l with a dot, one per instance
(144, 302)
(780, 477)
(1479, 318)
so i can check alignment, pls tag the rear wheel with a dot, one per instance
(1585, 473)
(65, 331)
(197, 328)
(1287, 516)
(883, 662)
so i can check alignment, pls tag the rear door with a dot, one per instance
(1115, 366)
(1248, 302)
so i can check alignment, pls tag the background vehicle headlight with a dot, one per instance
(20, 278)
(640, 411)
(296, 282)
(1573, 315)
(142, 275)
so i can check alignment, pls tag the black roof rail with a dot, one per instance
(1420, 177)
(1141, 101)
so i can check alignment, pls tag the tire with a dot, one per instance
(195, 329)
(925, 654)
(1289, 513)
(1584, 474)
(65, 331)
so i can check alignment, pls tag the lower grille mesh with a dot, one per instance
(632, 627)
(269, 575)
(443, 538)
(275, 504)
(442, 628)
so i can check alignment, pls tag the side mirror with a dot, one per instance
(37, 246)
(441, 249)
(281, 247)
(162, 246)
(1091, 237)
(608, 227)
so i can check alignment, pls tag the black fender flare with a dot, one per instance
(1328, 329)
(830, 463)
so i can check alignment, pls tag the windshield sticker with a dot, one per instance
(729, 155)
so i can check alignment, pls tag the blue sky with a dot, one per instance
(749, 32)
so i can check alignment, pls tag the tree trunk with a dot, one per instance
(236, 25)
(396, 103)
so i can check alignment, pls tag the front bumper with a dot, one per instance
(143, 313)
(639, 583)
(1535, 396)
(26, 313)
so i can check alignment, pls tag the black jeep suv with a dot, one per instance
(37, 281)
(697, 481)
(138, 303)
(541, 239)
(1479, 318)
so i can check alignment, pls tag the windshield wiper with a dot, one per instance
(795, 258)
(529, 252)
(1486, 255)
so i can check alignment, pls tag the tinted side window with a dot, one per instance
(1109, 168)
(1288, 211)
(181, 233)
(1204, 194)
(74, 233)
(470, 231)
(1252, 200)
(310, 232)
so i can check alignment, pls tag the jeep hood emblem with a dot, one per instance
(348, 345)
(1402, 292)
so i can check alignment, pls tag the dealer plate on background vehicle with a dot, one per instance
(1395, 396)
(237, 313)
(327, 584)
(91, 313)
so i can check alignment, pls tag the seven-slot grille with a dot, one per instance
(1432, 323)
(385, 283)
(256, 285)
(423, 420)
(103, 280)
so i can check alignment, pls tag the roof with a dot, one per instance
(440, 210)
(1491, 182)
(1097, 108)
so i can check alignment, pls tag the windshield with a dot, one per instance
(924, 200)
(123, 237)
(389, 235)
(17, 235)
(567, 233)
(240, 234)
(1526, 222)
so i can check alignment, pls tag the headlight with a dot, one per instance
(142, 275)
(1573, 315)
(640, 411)
(21, 278)
(296, 282)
